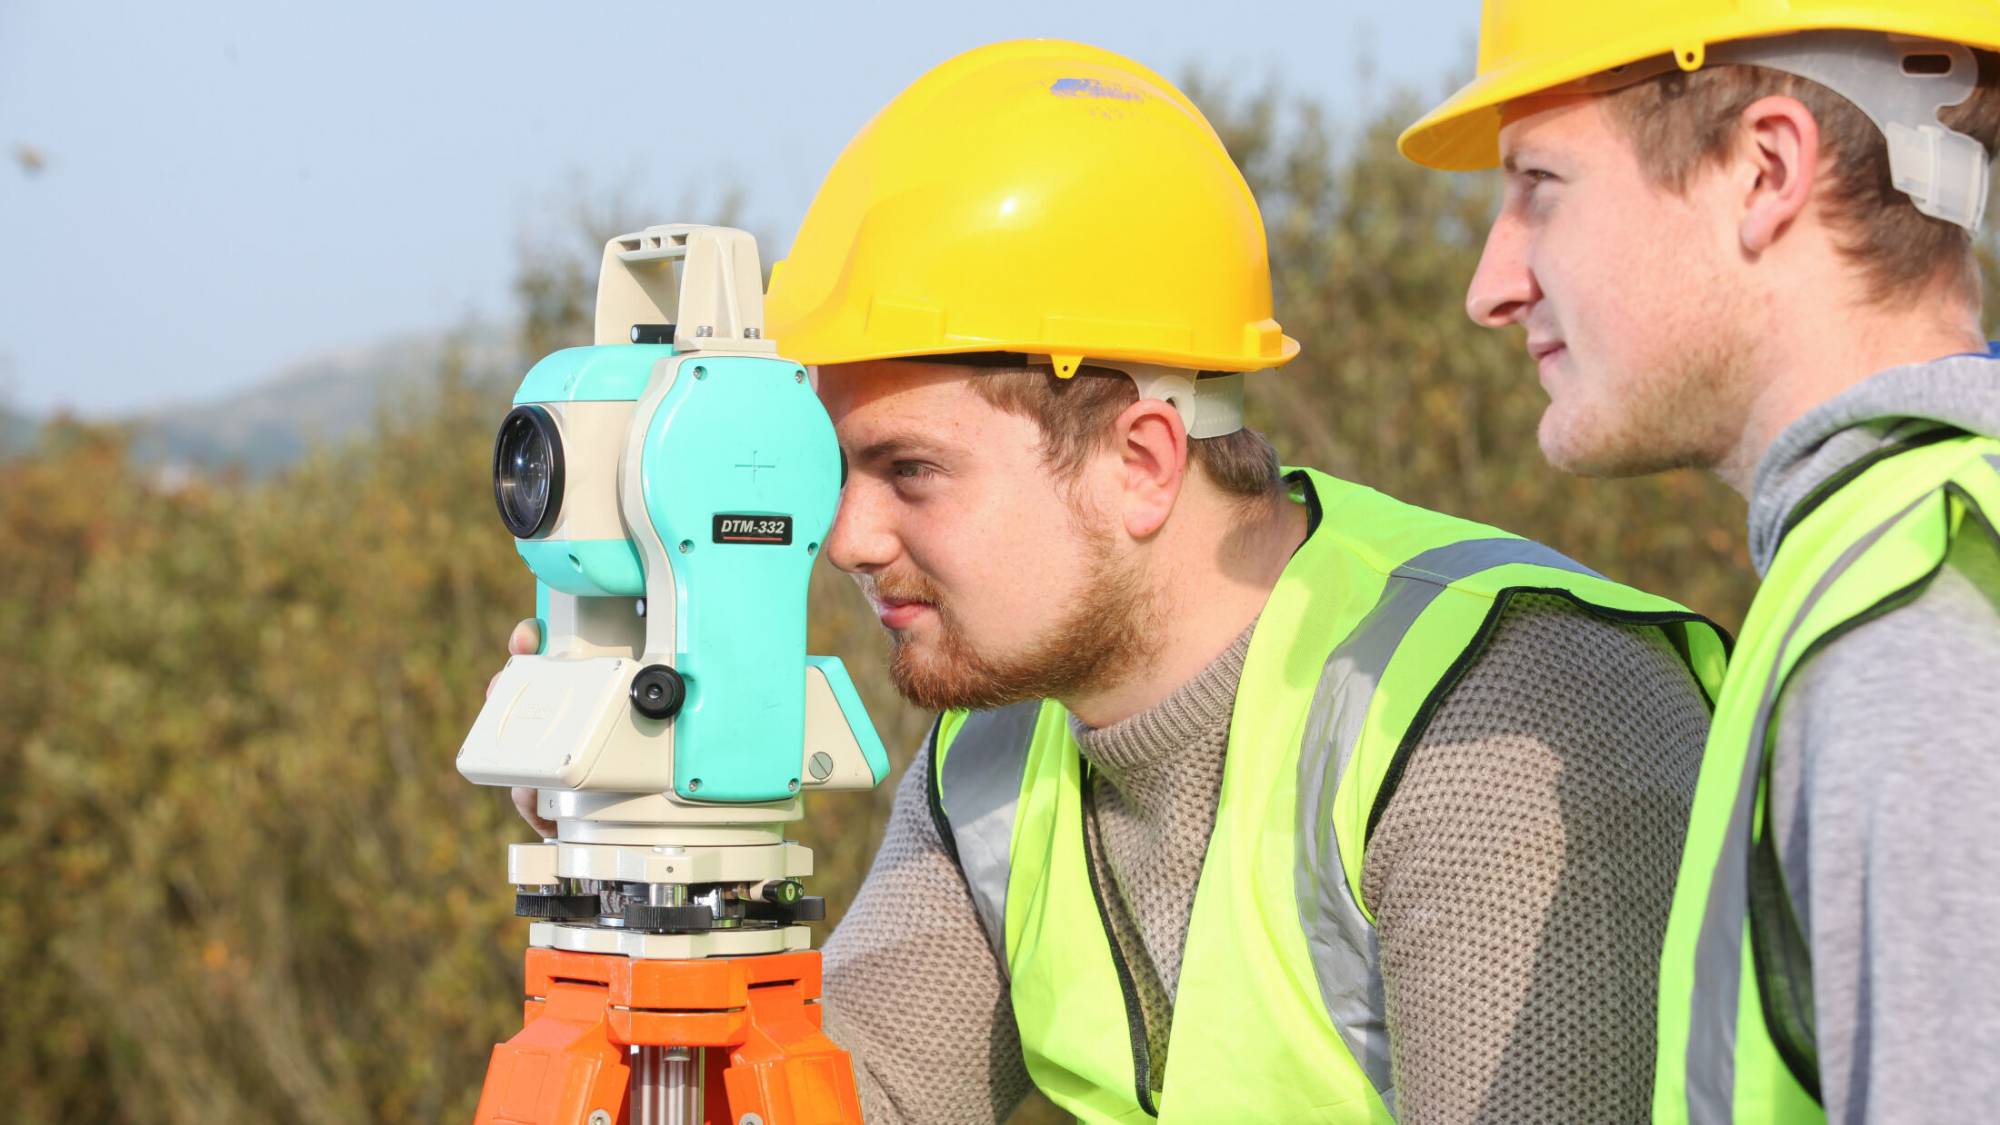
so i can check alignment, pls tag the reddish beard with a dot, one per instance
(1109, 626)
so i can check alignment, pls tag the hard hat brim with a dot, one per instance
(1288, 351)
(1463, 133)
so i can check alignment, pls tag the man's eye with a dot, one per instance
(911, 470)
(1537, 175)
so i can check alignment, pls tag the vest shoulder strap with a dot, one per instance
(1430, 624)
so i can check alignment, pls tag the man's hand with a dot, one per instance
(523, 641)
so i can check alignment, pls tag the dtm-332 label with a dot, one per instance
(775, 530)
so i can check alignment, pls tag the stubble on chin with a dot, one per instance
(1110, 626)
(1684, 412)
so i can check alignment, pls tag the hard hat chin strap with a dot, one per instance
(1210, 405)
(1901, 83)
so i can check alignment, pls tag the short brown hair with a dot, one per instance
(1075, 414)
(1681, 121)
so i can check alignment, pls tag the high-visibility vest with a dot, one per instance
(1278, 1014)
(1736, 1018)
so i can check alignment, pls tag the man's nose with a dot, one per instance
(861, 540)
(1503, 288)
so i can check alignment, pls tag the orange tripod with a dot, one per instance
(613, 1040)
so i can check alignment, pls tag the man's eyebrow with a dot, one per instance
(896, 446)
(1523, 155)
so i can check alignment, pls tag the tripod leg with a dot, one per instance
(560, 1068)
(787, 1070)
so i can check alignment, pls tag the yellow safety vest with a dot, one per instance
(1279, 1008)
(1736, 1018)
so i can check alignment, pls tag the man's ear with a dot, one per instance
(1152, 446)
(1781, 144)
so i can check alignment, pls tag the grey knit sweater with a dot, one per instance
(1520, 879)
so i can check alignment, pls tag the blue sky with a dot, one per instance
(227, 187)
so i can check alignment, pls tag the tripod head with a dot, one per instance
(670, 486)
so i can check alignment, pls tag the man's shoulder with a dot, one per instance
(1924, 661)
(1539, 630)
(1568, 676)
(1572, 741)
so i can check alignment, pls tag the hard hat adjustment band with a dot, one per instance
(1210, 405)
(1900, 83)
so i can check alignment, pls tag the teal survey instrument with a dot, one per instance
(669, 487)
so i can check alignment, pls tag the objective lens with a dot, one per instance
(528, 471)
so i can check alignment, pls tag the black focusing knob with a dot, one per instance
(691, 918)
(658, 692)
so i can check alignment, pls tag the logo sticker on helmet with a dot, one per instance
(1092, 88)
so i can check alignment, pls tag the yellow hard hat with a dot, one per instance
(1040, 197)
(1529, 46)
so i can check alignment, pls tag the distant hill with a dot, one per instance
(17, 432)
(327, 398)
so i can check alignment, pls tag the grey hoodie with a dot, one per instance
(1886, 783)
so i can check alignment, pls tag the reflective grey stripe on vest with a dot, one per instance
(1718, 951)
(980, 785)
(1342, 941)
